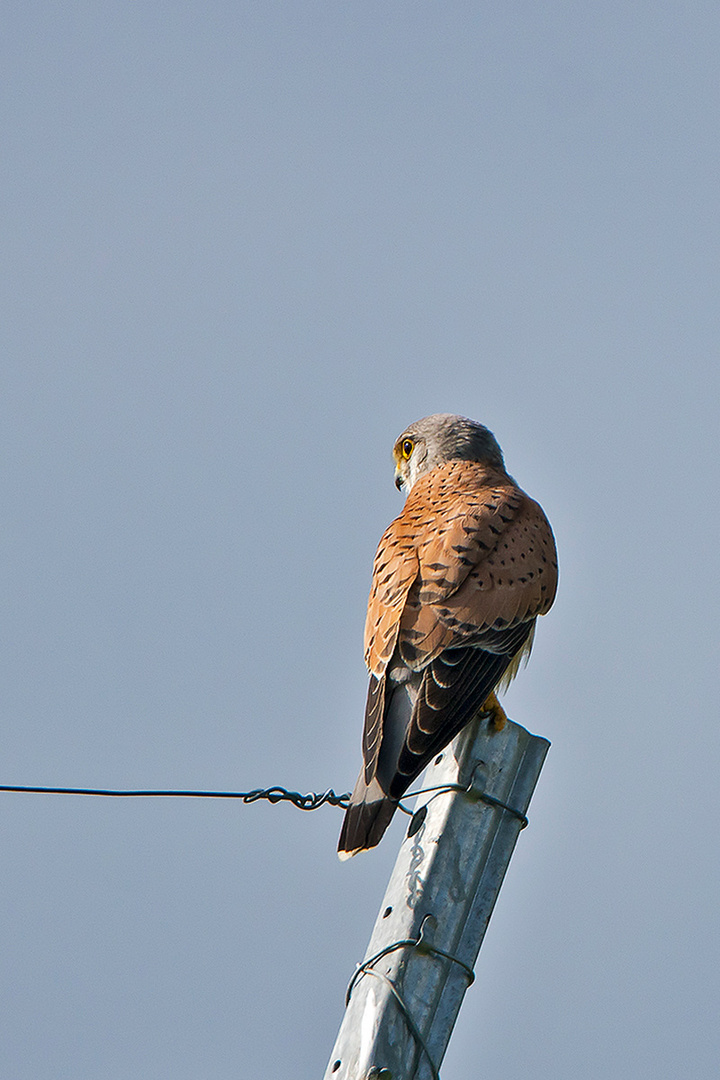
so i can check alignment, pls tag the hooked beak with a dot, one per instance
(399, 481)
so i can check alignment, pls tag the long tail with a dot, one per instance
(366, 818)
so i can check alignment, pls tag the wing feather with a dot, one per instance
(432, 729)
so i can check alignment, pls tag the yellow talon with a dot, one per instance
(496, 711)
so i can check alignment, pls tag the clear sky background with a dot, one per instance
(244, 244)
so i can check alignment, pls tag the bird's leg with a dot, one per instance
(495, 712)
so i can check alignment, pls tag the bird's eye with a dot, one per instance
(407, 448)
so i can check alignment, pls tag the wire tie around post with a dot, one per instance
(422, 945)
(418, 815)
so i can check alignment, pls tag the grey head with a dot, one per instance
(439, 438)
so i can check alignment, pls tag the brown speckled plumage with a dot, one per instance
(459, 579)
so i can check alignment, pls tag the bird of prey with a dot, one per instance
(458, 582)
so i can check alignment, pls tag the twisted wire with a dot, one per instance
(310, 801)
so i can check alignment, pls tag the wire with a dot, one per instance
(422, 945)
(468, 789)
(311, 801)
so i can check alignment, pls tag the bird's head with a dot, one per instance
(439, 438)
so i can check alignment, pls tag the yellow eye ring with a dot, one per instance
(407, 448)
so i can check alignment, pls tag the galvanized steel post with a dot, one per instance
(403, 1003)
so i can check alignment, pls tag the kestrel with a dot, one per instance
(458, 582)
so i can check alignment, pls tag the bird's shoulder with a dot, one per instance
(464, 508)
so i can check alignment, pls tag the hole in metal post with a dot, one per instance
(438, 759)
(336, 1065)
(417, 820)
(386, 912)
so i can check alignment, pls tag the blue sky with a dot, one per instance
(244, 246)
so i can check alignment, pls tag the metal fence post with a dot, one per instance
(404, 1002)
